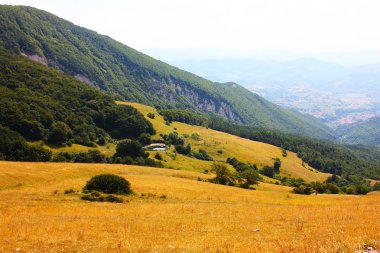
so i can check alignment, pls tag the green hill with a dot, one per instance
(40, 103)
(129, 75)
(364, 133)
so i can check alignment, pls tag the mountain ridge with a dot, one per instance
(128, 74)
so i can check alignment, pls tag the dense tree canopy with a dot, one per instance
(43, 104)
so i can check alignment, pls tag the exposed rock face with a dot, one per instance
(204, 102)
(36, 58)
(85, 80)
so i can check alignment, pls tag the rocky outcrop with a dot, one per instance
(84, 79)
(36, 58)
(197, 98)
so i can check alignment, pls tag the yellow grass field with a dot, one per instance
(195, 216)
(231, 146)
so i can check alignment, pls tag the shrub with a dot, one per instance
(284, 152)
(223, 175)
(151, 115)
(303, 189)
(332, 188)
(276, 165)
(268, 171)
(250, 176)
(158, 156)
(152, 163)
(174, 139)
(97, 196)
(130, 148)
(202, 155)
(108, 183)
(183, 150)
(91, 156)
(69, 191)
(196, 137)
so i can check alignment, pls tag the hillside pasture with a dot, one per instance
(228, 145)
(193, 216)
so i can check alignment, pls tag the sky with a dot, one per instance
(236, 25)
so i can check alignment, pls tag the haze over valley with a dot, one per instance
(338, 95)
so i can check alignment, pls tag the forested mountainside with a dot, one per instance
(363, 133)
(127, 74)
(41, 103)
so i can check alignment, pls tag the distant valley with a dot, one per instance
(336, 94)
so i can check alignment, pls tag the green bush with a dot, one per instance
(223, 174)
(130, 148)
(158, 156)
(268, 171)
(183, 150)
(202, 155)
(250, 176)
(303, 189)
(276, 165)
(109, 184)
(98, 197)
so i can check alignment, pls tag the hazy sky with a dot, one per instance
(286, 25)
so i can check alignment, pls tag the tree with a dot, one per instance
(144, 139)
(174, 139)
(250, 176)
(183, 150)
(59, 133)
(277, 165)
(223, 174)
(130, 148)
(268, 171)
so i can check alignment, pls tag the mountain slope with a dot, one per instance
(220, 146)
(41, 103)
(128, 74)
(365, 133)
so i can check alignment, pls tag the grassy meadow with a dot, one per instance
(194, 216)
(212, 141)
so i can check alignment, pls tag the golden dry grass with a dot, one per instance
(195, 216)
(232, 146)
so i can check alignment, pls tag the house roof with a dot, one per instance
(160, 145)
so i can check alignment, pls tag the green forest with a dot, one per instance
(40, 103)
(127, 74)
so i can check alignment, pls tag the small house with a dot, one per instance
(156, 147)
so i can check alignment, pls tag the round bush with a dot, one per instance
(108, 183)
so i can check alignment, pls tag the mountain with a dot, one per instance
(336, 94)
(129, 75)
(39, 103)
(364, 133)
